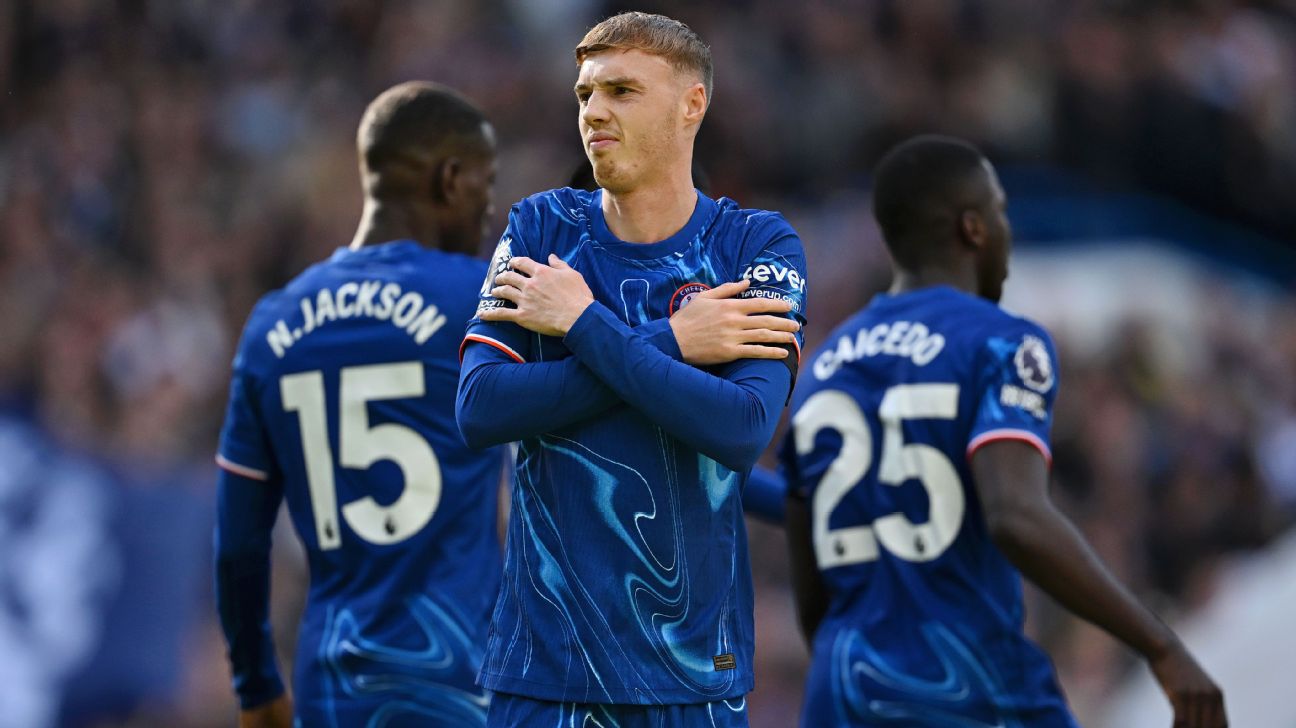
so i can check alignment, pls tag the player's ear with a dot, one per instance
(695, 103)
(446, 179)
(972, 228)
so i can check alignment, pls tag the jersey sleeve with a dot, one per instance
(244, 447)
(778, 271)
(1017, 385)
(507, 337)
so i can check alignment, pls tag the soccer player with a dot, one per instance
(917, 465)
(627, 589)
(342, 402)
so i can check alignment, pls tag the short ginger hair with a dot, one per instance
(650, 33)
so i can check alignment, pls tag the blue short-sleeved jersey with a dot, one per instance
(343, 391)
(626, 573)
(924, 625)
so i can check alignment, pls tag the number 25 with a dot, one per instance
(900, 462)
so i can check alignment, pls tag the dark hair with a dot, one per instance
(417, 117)
(919, 189)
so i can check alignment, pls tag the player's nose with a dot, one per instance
(594, 112)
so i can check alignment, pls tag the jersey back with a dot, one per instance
(924, 625)
(343, 391)
(626, 573)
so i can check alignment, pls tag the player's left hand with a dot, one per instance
(549, 298)
(277, 713)
(1196, 699)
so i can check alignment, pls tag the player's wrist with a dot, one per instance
(569, 322)
(685, 345)
(1162, 645)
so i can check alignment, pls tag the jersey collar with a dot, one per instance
(703, 212)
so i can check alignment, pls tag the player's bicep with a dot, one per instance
(507, 338)
(778, 272)
(1011, 478)
(807, 583)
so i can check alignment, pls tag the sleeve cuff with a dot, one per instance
(659, 333)
(508, 350)
(1030, 438)
(592, 325)
(250, 698)
(242, 470)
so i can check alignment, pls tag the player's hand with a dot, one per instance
(549, 298)
(717, 328)
(277, 713)
(1197, 700)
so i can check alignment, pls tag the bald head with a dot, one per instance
(410, 128)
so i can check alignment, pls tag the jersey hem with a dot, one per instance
(225, 463)
(1026, 436)
(490, 342)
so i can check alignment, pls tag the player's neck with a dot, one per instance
(652, 212)
(383, 222)
(926, 277)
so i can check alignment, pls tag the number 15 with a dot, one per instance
(360, 447)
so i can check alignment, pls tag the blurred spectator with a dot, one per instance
(163, 164)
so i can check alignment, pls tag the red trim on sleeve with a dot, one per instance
(990, 436)
(243, 470)
(490, 342)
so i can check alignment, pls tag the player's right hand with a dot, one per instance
(277, 713)
(1197, 701)
(717, 328)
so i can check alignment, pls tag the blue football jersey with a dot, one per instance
(343, 390)
(924, 624)
(626, 575)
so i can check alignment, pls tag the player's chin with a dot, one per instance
(610, 176)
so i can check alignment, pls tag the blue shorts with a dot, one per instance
(516, 711)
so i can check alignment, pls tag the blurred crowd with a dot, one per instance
(162, 164)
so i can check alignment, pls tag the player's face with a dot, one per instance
(993, 267)
(632, 116)
(475, 196)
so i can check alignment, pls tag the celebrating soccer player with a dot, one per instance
(917, 466)
(342, 402)
(627, 596)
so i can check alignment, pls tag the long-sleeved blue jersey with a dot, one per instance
(626, 570)
(342, 401)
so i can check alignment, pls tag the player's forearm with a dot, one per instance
(1046, 547)
(537, 397)
(807, 583)
(765, 495)
(244, 517)
(502, 401)
(686, 402)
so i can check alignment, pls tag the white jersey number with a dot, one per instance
(360, 447)
(833, 409)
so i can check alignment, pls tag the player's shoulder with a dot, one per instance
(762, 226)
(995, 322)
(969, 317)
(265, 312)
(758, 239)
(994, 337)
(542, 221)
(450, 268)
(563, 205)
